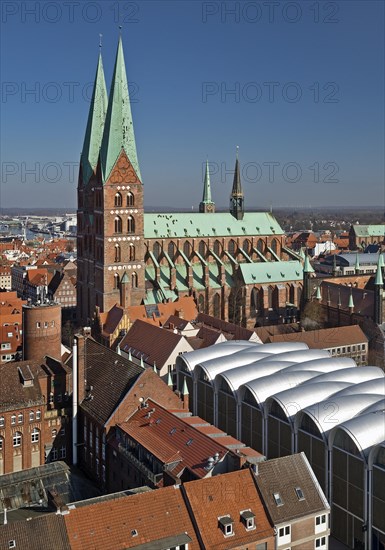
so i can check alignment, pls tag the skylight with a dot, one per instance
(277, 498)
(299, 493)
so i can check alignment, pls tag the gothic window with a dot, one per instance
(116, 281)
(217, 306)
(202, 248)
(117, 253)
(118, 224)
(156, 250)
(130, 225)
(253, 302)
(187, 249)
(270, 297)
(217, 248)
(171, 250)
(132, 252)
(246, 246)
(231, 247)
(130, 199)
(1, 444)
(292, 294)
(118, 199)
(134, 280)
(201, 303)
(274, 245)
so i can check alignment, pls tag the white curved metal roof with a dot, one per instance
(375, 452)
(212, 367)
(365, 430)
(329, 413)
(300, 355)
(284, 347)
(240, 375)
(380, 405)
(192, 358)
(375, 384)
(321, 365)
(352, 374)
(295, 399)
(267, 386)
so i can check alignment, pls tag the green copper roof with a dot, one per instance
(307, 267)
(357, 264)
(185, 388)
(271, 272)
(318, 293)
(369, 230)
(95, 125)
(379, 279)
(207, 186)
(381, 260)
(119, 128)
(220, 224)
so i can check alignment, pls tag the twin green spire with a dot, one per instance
(95, 125)
(110, 128)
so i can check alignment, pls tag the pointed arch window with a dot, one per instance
(156, 250)
(260, 246)
(130, 225)
(217, 248)
(171, 250)
(202, 248)
(1, 444)
(217, 306)
(134, 280)
(130, 199)
(118, 224)
(274, 246)
(187, 249)
(231, 247)
(201, 303)
(132, 252)
(246, 246)
(118, 199)
(118, 253)
(116, 281)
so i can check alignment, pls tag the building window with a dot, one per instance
(202, 249)
(1, 443)
(284, 535)
(38, 415)
(17, 439)
(320, 543)
(131, 250)
(62, 452)
(118, 199)
(320, 523)
(31, 416)
(277, 499)
(130, 225)
(38, 325)
(13, 419)
(12, 544)
(2, 421)
(54, 434)
(226, 525)
(35, 436)
(118, 224)
(116, 281)
(117, 253)
(299, 493)
(54, 454)
(130, 199)
(134, 280)
(20, 418)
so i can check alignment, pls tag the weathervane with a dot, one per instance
(100, 40)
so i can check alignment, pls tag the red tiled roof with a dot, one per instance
(132, 521)
(228, 495)
(164, 433)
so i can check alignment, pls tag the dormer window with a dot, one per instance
(277, 498)
(248, 519)
(226, 524)
(299, 493)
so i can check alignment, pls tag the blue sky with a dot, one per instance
(298, 86)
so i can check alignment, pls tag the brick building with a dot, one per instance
(235, 264)
(11, 327)
(34, 414)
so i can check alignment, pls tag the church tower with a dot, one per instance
(111, 208)
(237, 198)
(207, 204)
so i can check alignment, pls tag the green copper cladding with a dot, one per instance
(207, 186)
(95, 125)
(307, 268)
(379, 281)
(119, 129)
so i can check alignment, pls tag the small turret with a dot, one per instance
(207, 204)
(237, 197)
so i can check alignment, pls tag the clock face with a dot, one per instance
(209, 207)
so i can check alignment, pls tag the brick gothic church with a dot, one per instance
(235, 264)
